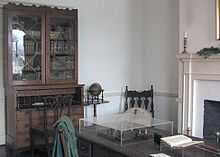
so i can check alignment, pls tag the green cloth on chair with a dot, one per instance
(66, 125)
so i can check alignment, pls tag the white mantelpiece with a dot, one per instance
(193, 68)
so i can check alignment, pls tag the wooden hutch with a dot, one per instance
(40, 59)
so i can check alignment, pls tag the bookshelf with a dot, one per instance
(40, 60)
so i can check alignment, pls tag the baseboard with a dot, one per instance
(159, 93)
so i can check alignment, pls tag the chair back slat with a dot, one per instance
(140, 99)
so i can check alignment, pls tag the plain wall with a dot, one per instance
(197, 18)
(161, 47)
(2, 102)
(125, 42)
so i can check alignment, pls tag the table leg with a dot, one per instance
(121, 137)
(80, 125)
(183, 154)
(94, 110)
(172, 128)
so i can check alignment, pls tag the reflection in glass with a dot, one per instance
(18, 48)
(26, 47)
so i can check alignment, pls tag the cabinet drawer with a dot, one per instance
(115, 154)
(84, 148)
(99, 151)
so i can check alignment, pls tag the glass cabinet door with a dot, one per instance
(62, 49)
(25, 47)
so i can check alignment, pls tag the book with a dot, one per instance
(159, 155)
(180, 141)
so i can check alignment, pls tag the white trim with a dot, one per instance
(159, 93)
(195, 57)
(193, 67)
(166, 94)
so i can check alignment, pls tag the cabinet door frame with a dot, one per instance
(73, 16)
(23, 11)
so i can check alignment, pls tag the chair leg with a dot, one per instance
(32, 150)
(49, 152)
(47, 146)
(32, 144)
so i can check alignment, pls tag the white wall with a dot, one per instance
(110, 42)
(2, 104)
(110, 47)
(161, 40)
(197, 17)
(130, 42)
(161, 46)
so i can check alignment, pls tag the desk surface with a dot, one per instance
(139, 148)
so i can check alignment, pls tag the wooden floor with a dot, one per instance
(4, 152)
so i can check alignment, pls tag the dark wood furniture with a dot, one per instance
(141, 99)
(93, 145)
(40, 60)
(53, 108)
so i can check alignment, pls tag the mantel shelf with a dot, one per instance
(194, 56)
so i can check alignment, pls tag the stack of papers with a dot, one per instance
(159, 155)
(180, 141)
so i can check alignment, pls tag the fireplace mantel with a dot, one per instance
(193, 67)
(193, 56)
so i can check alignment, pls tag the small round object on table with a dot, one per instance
(95, 89)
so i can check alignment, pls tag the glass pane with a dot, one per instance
(61, 49)
(26, 47)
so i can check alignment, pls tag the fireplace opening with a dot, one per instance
(211, 127)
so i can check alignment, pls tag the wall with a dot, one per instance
(128, 42)
(148, 33)
(161, 46)
(110, 42)
(197, 17)
(2, 104)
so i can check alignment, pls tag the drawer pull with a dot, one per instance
(83, 148)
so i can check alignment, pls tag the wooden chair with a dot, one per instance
(140, 99)
(54, 107)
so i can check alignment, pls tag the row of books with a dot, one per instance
(31, 47)
(59, 47)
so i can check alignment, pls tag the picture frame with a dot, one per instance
(218, 19)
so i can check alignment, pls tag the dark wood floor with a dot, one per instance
(4, 152)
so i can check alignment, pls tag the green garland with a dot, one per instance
(207, 52)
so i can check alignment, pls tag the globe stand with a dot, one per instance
(95, 100)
